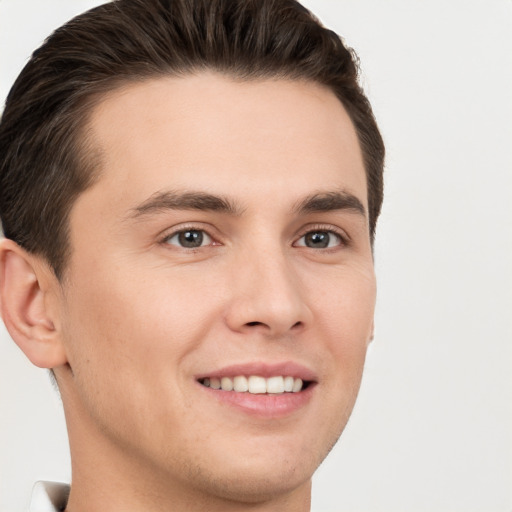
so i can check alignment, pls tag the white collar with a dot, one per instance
(49, 497)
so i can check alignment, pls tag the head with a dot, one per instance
(47, 160)
(190, 189)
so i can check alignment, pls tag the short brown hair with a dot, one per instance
(45, 160)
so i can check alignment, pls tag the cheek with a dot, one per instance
(137, 328)
(127, 321)
(345, 314)
(345, 304)
(128, 338)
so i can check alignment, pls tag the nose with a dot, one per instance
(267, 296)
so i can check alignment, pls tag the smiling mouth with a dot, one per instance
(256, 385)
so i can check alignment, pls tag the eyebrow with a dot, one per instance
(173, 200)
(330, 201)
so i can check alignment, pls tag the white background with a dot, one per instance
(432, 430)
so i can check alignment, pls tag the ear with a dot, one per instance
(28, 288)
(372, 333)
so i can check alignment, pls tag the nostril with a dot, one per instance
(296, 325)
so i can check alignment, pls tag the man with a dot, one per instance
(189, 191)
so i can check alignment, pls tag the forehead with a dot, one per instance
(215, 132)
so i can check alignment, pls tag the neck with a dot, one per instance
(89, 494)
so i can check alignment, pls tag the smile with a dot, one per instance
(255, 384)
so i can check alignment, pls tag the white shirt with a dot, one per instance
(49, 497)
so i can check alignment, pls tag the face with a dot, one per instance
(225, 241)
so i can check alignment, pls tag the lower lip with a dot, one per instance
(263, 405)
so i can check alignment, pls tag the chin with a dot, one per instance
(261, 472)
(254, 486)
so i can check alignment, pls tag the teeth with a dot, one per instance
(288, 384)
(226, 384)
(255, 384)
(275, 385)
(240, 384)
(297, 385)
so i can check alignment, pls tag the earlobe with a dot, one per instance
(25, 284)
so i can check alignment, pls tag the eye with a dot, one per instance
(320, 239)
(189, 239)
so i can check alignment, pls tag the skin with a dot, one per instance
(138, 317)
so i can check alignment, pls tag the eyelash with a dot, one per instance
(322, 228)
(342, 236)
(165, 240)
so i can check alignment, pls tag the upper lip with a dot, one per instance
(263, 369)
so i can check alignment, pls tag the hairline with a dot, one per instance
(89, 151)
